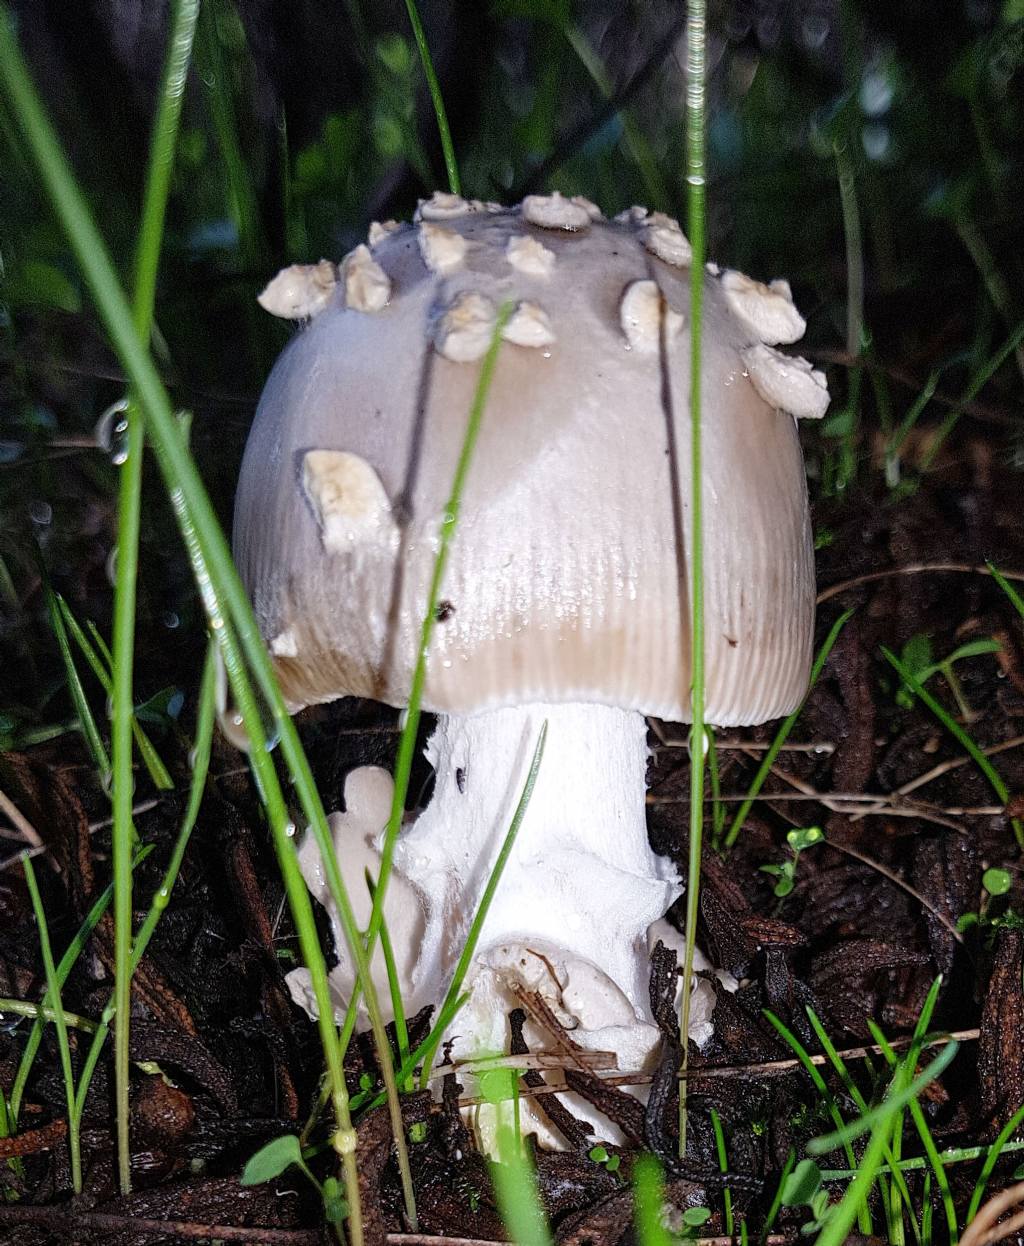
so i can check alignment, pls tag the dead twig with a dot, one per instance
(979, 410)
(765, 1068)
(945, 767)
(21, 824)
(984, 1228)
(851, 804)
(729, 745)
(73, 1223)
(593, 1060)
(877, 866)
(39, 849)
(913, 568)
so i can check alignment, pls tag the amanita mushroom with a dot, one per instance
(565, 598)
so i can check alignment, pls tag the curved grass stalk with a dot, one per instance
(59, 1019)
(462, 968)
(959, 734)
(203, 741)
(151, 758)
(930, 1149)
(977, 383)
(86, 721)
(863, 1215)
(447, 147)
(991, 1158)
(696, 90)
(74, 950)
(890, 1198)
(881, 1122)
(636, 143)
(129, 510)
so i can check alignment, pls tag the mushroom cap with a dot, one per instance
(567, 577)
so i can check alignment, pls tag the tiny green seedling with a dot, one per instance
(798, 839)
(284, 1153)
(996, 882)
(694, 1218)
(991, 916)
(600, 1155)
(803, 1188)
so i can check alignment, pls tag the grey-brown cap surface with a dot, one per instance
(568, 574)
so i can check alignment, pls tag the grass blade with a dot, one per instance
(696, 90)
(394, 988)
(887, 1110)
(223, 594)
(215, 574)
(86, 722)
(852, 1089)
(1015, 597)
(53, 992)
(515, 1185)
(958, 733)
(991, 1159)
(157, 770)
(977, 383)
(201, 751)
(129, 513)
(480, 916)
(776, 1205)
(64, 967)
(447, 147)
(863, 1216)
(723, 1167)
(927, 1141)
(649, 1202)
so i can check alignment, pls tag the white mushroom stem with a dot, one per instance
(581, 886)
(576, 908)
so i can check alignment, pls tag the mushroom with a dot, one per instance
(565, 598)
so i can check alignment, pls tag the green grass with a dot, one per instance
(696, 212)
(961, 736)
(129, 520)
(413, 713)
(436, 98)
(473, 937)
(101, 663)
(86, 722)
(881, 1120)
(53, 992)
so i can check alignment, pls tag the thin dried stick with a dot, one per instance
(983, 1229)
(20, 823)
(766, 1068)
(913, 568)
(945, 767)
